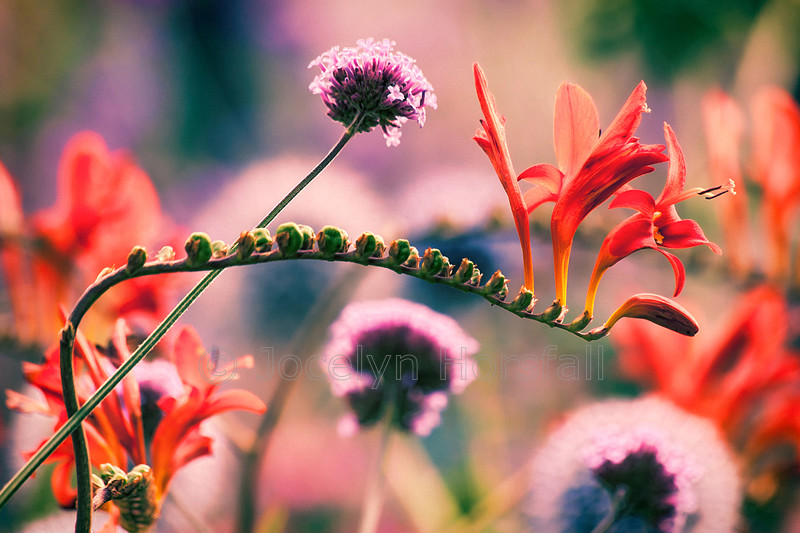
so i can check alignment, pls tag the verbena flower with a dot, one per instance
(118, 431)
(634, 465)
(400, 356)
(372, 80)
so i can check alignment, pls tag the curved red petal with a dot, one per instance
(677, 268)
(635, 199)
(676, 176)
(626, 121)
(632, 234)
(685, 234)
(576, 127)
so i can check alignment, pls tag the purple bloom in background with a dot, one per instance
(398, 355)
(375, 80)
(635, 465)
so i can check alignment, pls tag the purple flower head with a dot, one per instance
(398, 355)
(635, 465)
(386, 86)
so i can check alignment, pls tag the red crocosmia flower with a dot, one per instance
(723, 122)
(658, 310)
(656, 225)
(492, 139)
(105, 206)
(742, 376)
(12, 258)
(776, 167)
(117, 431)
(590, 169)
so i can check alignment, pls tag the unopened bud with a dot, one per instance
(369, 245)
(399, 251)
(332, 240)
(447, 268)
(476, 277)
(219, 249)
(289, 238)
(198, 249)
(495, 284)
(308, 237)
(245, 245)
(413, 260)
(432, 262)
(580, 322)
(553, 312)
(136, 259)
(165, 254)
(263, 240)
(464, 271)
(523, 300)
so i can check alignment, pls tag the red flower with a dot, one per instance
(656, 225)
(105, 206)
(723, 122)
(776, 167)
(116, 429)
(492, 139)
(741, 376)
(590, 169)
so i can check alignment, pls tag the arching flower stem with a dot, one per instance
(77, 414)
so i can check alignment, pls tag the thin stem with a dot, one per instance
(82, 464)
(215, 266)
(376, 485)
(305, 338)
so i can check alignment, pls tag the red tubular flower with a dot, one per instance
(742, 376)
(589, 169)
(115, 430)
(656, 225)
(776, 167)
(723, 122)
(105, 206)
(492, 139)
(658, 310)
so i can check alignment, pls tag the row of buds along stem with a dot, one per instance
(295, 240)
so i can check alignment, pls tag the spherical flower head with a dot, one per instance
(400, 356)
(385, 86)
(635, 465)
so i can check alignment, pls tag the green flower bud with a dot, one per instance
(245, 245)
(523, 300)
(198, 249)
(464, 271)
(219, 249)
(399, 251)
(413, 260)
(289, 238)
(447, 268)
(136, 259)
(476, 277)
(432, 262)
(369, 245)
(165, 254)
(308, 237)
(495, 284)
(554, 311)
(263, 240)
(332, 240)
(580, 322)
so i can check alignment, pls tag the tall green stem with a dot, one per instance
(376, 485)
(77, 415)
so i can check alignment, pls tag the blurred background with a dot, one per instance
(210, 98)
